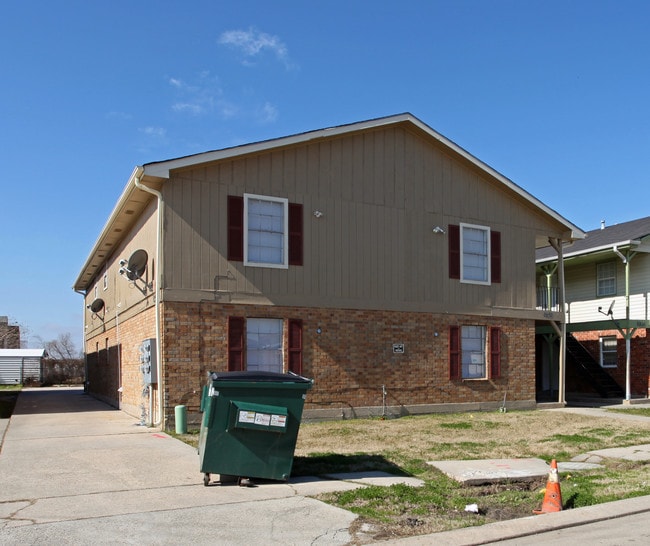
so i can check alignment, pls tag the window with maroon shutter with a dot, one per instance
(295, 346)
(236, 327)
(235, 228)
(495, 257)
(295, 234)
(454, 353)
(237, 225)
(495, 352)
(454, 251)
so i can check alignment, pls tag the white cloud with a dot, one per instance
(154, 132)
(269, 113)
(252, 42)
(196, 99)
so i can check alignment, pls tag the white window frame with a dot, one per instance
(488, 255)
(603, 351)
(284, 264)
(473, 352)
(265, 344)
(599, 279)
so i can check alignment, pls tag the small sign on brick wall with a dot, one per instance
(398, 348)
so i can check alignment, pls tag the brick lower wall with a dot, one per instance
(351, 360)
(639, 358)
(114, 374)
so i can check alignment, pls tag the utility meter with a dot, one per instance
(149, 361)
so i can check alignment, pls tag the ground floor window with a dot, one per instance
(608, 352)
(264, 344)
(472, 343)
(474, 352)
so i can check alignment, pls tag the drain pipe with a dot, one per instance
(83, 339)
(139, 171)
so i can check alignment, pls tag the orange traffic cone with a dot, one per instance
(553, 496)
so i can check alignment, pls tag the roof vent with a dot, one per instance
(602, 224)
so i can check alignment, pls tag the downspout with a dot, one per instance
(83, 339)
(139, 171)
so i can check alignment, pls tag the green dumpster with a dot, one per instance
(250, 424)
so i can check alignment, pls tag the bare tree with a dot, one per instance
(63, 364)
(61, 348)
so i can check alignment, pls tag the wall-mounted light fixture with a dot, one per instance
(438, 229)
(318, 214)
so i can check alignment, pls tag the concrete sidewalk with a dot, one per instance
(74, 471)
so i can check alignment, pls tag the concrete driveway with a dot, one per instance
(75, 471)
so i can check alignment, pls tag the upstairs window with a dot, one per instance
(606, 279)
(264, 231)
(474, 254)
(266, 224)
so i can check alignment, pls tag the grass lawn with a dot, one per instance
(408, 443)
(403, 446)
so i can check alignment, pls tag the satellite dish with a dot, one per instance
(137, 264)
(97, 305)
(610, 311)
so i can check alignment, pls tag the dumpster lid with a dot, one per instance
(259, 377)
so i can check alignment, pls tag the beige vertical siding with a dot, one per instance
(381, 193)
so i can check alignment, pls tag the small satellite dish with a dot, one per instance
(137, 264)
(97, 305)
(610, 311)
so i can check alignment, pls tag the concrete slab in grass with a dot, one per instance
(482, 471)
(383, 479)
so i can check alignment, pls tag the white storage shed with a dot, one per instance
(18, 366)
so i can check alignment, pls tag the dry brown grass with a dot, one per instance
(545, 434)
(404, 445)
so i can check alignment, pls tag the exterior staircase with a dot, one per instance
(590, 370)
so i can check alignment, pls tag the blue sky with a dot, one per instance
(552, 94)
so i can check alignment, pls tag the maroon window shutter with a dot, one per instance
(495, 352)
(295, 234)
(236, 343)
(454, 251)
(235, 228)
(295, 346)
(495, 259)
(454, 352)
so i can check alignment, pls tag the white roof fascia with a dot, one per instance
(576, 232)
(25, 353)
(602, 248)
(124, 196)
(161, 169)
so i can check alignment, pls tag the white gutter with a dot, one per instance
(594, 250)
(139, 171)
(618, 253)
(83, 339)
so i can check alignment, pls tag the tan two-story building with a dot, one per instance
(378, 258)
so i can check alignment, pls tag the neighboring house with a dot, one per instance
(9, 334)
(607, 280)
(21, 366)
(378, 258)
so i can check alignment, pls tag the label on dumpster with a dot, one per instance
(279, 421)
(262, 419)
(246, 416)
